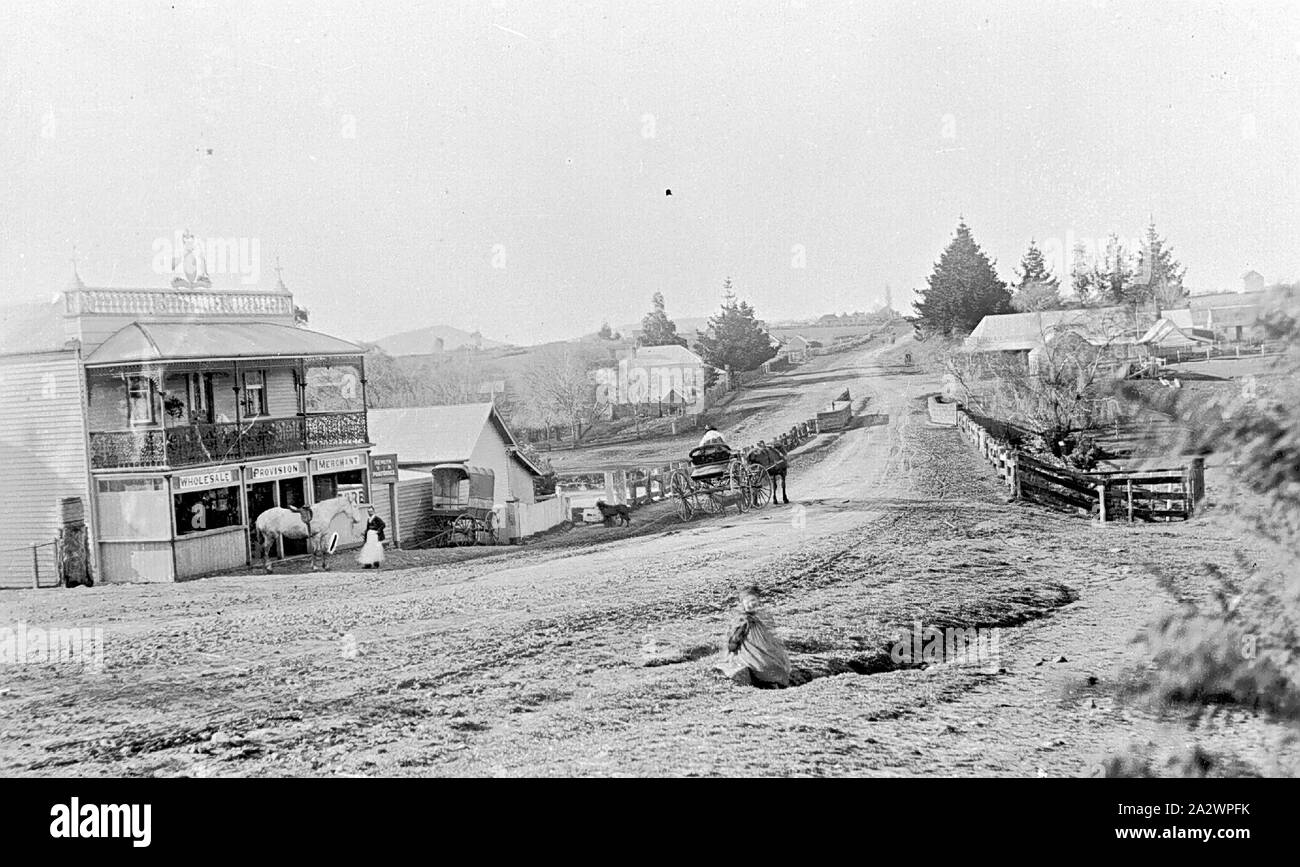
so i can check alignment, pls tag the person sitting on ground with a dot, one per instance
(755, 654)
(712, 436)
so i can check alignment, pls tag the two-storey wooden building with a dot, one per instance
(195, 410)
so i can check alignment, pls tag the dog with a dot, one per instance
(622, 513)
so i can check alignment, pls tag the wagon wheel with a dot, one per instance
(679, 486)
(760, 487)
(463, 531)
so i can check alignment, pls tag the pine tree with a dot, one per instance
(656, 328)
(1160, 273)
(962, 290)
(736, 339)
(1036, 288)
(1085, 279)
(1115, 273)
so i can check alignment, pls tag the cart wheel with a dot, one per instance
(684, 510)
(462, 531)
(760, 487)
(680, 484)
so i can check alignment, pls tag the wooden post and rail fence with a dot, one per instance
(1163, 494)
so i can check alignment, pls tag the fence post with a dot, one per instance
(36, 567)
(1015, 475)
(1130, 501)
(1101, 500)
(1197, 492)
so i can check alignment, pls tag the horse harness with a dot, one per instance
(305, 513)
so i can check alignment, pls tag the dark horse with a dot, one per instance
(773, 458)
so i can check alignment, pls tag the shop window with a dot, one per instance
(139, 400)
(254, 393)
(213, 509)
(122, 486)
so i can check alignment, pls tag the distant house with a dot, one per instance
(1175, 332)
(1234, 324)
(1252, 281)
(797, 349)
(671, 377)
(1026, 336)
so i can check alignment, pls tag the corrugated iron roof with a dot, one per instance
(157, 341)
(438, 434)
(1023, 331)
(655, 355)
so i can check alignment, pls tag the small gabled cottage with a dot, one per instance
(430, 440)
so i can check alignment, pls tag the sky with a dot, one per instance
(502, 166)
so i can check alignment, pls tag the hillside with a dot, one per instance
(424, 341)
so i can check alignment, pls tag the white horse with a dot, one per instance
(307, 522)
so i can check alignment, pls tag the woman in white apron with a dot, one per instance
(371, 555)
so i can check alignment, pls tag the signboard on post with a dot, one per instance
(383, 469)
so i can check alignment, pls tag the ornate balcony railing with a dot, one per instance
(327, 430)
(128, 449)
(198, 444)
(215, 443)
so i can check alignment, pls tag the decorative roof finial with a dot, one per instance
(279, 275)
(75, 283)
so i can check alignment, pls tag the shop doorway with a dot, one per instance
(293, 495)
(261, 497)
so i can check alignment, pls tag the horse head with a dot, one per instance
(356, 512)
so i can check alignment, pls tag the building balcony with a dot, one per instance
(224, 442)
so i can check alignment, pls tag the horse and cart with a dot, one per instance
(720, 476)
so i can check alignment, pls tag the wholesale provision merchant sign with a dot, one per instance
(275, 471)
(211, 479)
(332, 465)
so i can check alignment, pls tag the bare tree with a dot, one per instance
(1061, 389)
(561, 386)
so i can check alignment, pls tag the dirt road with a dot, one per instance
(590, 654)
